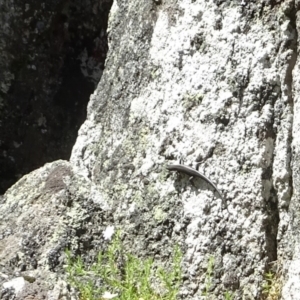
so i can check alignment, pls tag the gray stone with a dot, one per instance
(214, 82)
(16, 283)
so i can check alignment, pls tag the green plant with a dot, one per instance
(124, 275)
(272, 286)
(267, 285)
(172, 279)
(208, 276)
(228, 295)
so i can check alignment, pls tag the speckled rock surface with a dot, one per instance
(213, 82)
(51, 208)
(216, 88)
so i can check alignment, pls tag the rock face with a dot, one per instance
(213, 82)
(49, 218)
(52, 55)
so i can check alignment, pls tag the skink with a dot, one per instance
(192, 172)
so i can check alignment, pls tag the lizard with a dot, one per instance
(192, 172)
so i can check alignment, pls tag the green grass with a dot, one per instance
(125, 275)
(272, 286)
(228, 295)
(208, 276)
